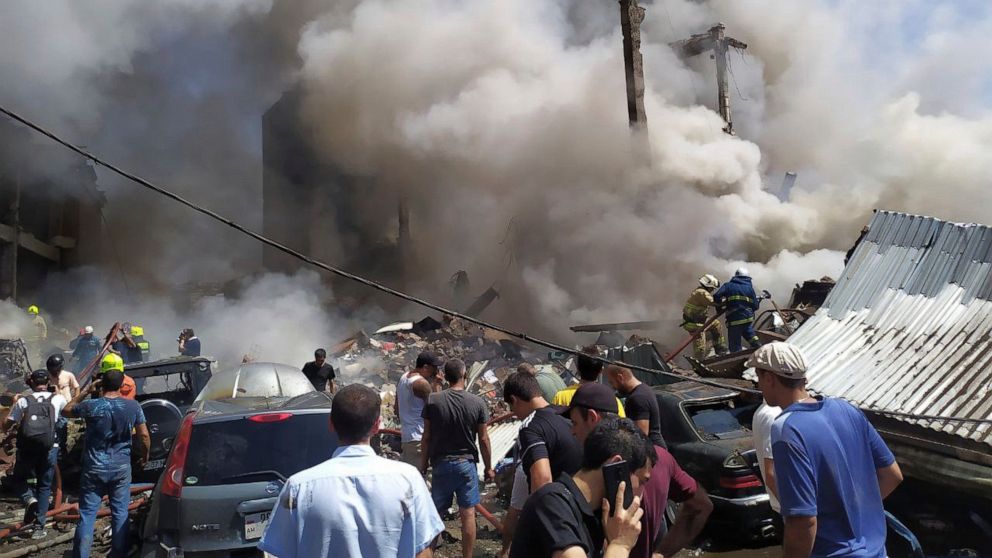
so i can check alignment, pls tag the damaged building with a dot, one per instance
(906, 335)
(50, 212)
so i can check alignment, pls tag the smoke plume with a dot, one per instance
(503, 123)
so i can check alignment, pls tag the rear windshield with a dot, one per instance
(220, 450)
(724, 420)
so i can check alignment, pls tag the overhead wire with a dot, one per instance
(404, 296)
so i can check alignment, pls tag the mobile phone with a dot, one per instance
(613, 475)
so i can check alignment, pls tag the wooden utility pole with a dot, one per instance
(631, 16)
(717, 41)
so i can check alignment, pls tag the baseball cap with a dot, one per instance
(38, 377)
(88, 329)
(428, 358)
(594, 395)
(779, 358)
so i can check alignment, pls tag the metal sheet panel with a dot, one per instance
(908, 327)
(502, 437)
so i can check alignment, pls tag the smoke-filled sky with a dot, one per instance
(504, 123)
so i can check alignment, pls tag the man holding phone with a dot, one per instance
(571, 517)
(594, 403)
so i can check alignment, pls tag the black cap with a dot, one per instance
(428, 358)
(594, 395)
(38, 377)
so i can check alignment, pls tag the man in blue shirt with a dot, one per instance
(110, 422)
(356, 504)
(738, 299)
(832, 468)
(189, 343)
(86, 348)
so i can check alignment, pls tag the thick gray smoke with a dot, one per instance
(503, 122)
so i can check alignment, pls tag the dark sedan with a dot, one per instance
(708, 430)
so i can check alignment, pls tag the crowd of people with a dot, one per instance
(826, 469)
(115, 437)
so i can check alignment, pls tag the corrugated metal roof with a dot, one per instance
(908, 328)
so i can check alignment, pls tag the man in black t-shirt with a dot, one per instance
(545, 447)
(452, 420)
(641, 403)
(566, 516)
(320, 374)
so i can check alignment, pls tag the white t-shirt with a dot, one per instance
(761, 429)
(57, 400)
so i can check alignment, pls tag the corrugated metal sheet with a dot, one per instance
(502, 437)
(908, 328)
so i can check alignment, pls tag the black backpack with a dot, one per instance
(37, 432)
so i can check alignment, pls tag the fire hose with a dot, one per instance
(64, 512)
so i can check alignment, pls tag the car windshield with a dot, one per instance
(226, 452)
(723, 420)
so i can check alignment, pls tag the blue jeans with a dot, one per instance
(457, 477)
(745, 331)
(40, 466)
(93, 486)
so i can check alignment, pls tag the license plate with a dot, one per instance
(255, 524)
(154, 464)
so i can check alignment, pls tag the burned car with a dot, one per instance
(231, 458)
(708, 431)
(166, 389)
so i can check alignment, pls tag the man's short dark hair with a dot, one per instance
(527, 368)
(454, 370)
(587, 366)
(791, 383)
(521, 384)
(354, 411)
(615, 436)
(112, 380)
(320, 353)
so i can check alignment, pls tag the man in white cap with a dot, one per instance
(831, 467)
(86, 348)
(738, 298)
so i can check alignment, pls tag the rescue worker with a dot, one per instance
(40, 326)
(86, 348)
(138, 336)
(114, 362)
(737, 296)
(695, 313)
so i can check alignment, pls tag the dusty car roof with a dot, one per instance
(242, 405)
(257, 380)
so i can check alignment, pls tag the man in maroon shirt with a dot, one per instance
(591, 404)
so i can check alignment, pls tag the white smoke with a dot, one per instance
(504, 123)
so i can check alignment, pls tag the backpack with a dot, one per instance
(37, 432)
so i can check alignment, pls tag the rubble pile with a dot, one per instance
(378, 360)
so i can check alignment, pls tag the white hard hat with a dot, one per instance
(88, 329)
(709, 282)
(742, 272)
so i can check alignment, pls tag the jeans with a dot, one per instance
(457, 477)
(93, 486)
(745, 331)
(40, 466)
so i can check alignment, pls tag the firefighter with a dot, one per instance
(737, 296)
(695, 313)
(40, 326)
(138, 336)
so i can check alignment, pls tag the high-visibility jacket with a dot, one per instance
(737, 295)
(696, 309)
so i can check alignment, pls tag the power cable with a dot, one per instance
(401, 295)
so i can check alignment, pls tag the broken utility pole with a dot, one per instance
(631, 16)
(719, 43)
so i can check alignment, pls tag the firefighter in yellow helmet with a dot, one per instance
(138, 335)
(695, 313)
(40, 326)
(114, 362)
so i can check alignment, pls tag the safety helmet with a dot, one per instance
(111, 362)
(137, 330)
(88, 330)
(709, 282)
(54, 362)
(742, 272)
(33, 310)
